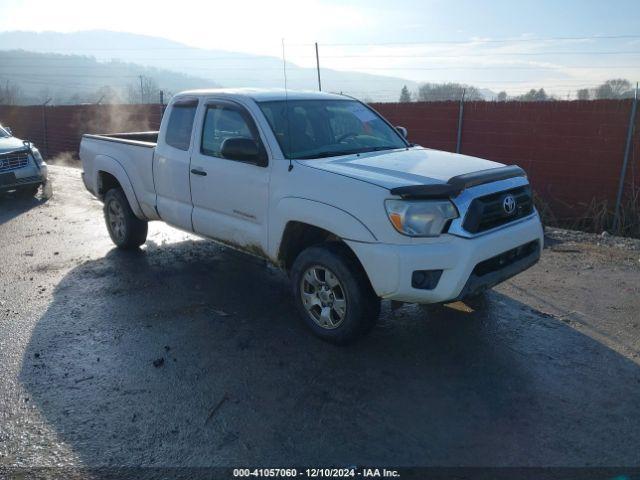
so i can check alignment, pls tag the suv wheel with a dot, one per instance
(125, 229)
(333, 294)
(28, 191)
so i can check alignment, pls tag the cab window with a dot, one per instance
(180, 124)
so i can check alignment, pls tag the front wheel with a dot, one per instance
(125, 229)
(333, 294)
(28, 191)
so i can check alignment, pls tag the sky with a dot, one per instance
(515, 45)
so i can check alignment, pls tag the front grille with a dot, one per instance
(34, 179)
(505, 259)
(13, 161)
(488, 212)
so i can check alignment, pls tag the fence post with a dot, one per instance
(44, 129)
(625, 161)
(460, 116)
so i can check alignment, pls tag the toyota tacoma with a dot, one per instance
(327, 189)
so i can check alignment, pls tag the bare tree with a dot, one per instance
(44, 94)
(614, 88)
(583, 94)
(105, 94)
(10, 94)
(145, 90)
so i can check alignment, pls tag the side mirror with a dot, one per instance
(403, 131)
(242, 149)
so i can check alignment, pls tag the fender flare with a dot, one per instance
(319, 214)
(107, 164)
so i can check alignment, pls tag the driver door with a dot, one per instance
(229, 196)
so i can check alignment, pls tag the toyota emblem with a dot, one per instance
(509, 204)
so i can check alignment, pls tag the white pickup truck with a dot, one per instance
(324, 187)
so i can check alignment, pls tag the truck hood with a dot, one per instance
(10, 144)
(397, 168)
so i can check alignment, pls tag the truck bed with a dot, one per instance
(149, 139)
(133, 168)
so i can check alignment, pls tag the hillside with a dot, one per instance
(81, 79)
(229, 69)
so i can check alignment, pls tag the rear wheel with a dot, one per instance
(333, 294)
(125, 229)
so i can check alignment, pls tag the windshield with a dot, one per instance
(328, 128)
(3, 133)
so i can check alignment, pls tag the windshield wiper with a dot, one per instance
(327, 153)
(332, 153)
(378, 149)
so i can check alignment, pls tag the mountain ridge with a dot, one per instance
(220, 67)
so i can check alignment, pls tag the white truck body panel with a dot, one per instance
(417, 166)
(248, 206)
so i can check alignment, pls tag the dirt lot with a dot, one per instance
(187, 354)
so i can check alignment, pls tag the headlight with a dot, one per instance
(37, 156)
(420, 218)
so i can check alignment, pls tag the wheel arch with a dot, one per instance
(298, 236)
(110, 174)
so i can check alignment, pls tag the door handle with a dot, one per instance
(198, 172)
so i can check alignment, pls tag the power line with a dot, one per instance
(330, 44)
(479, 40)
(44, 75)
(128, 61)
(483, 54)
(296, 67)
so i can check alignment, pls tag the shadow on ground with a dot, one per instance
(13, 204)
(237, 379)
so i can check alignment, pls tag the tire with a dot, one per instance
(28, 191)
(125, 229)
(349, 307)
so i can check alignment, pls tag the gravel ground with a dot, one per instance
(187, 354)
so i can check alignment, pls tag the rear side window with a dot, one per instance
(180, 124)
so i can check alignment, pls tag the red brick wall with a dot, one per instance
(66, 124)
(572, 151)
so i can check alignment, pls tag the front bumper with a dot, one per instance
(22, 177)
(390, 267)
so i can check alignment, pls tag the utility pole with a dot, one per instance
(141, 94)
(44, 128)
(625, 161)
(460, 116)
(318, 68)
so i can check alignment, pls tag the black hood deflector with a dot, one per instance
(457, 184)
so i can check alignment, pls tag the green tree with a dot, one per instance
(534, 95)
(502, 96)
(405, 95)
(439, 92)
